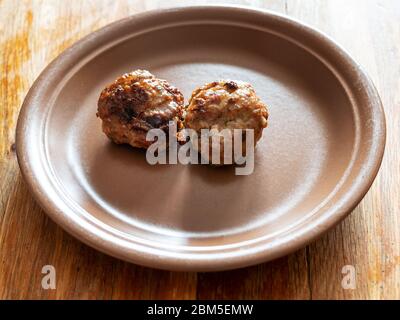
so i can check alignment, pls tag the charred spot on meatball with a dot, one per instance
(231, 86)
(135, 103)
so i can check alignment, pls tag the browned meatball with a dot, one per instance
(226, 104)
(136, 103)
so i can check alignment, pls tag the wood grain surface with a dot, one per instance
(32, 33)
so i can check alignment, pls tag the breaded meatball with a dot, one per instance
(136, 103)
(226, 104)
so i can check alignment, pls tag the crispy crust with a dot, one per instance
(226, 104)
(135, 103)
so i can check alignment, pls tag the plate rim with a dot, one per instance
(191, 262)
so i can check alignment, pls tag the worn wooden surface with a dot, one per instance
(32, 33)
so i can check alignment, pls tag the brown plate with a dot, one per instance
(315, 162)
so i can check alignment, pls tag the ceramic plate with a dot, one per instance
(315, 162)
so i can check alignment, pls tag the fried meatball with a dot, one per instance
(226, 104)
(136, 103)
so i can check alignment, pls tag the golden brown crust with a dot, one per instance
(226, 104)
(137, 102)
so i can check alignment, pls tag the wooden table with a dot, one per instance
(32, 33)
